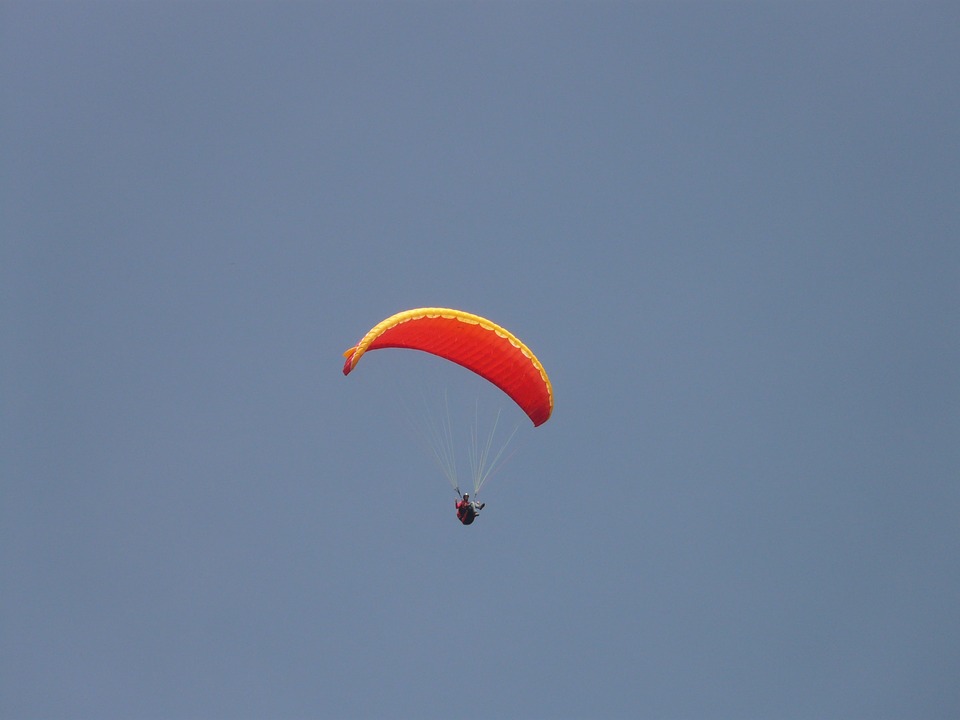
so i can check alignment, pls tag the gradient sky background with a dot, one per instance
(729, 231)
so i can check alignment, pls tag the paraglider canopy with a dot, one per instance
(474, 342)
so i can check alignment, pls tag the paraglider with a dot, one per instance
(467, 509)
(479, 345)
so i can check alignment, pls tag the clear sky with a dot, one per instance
(730, 231)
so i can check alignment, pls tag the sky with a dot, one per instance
(729, 231)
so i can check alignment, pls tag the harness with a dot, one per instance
(466, 514)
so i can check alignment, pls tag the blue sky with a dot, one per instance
(728, 230)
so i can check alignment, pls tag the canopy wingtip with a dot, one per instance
(348, 365)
